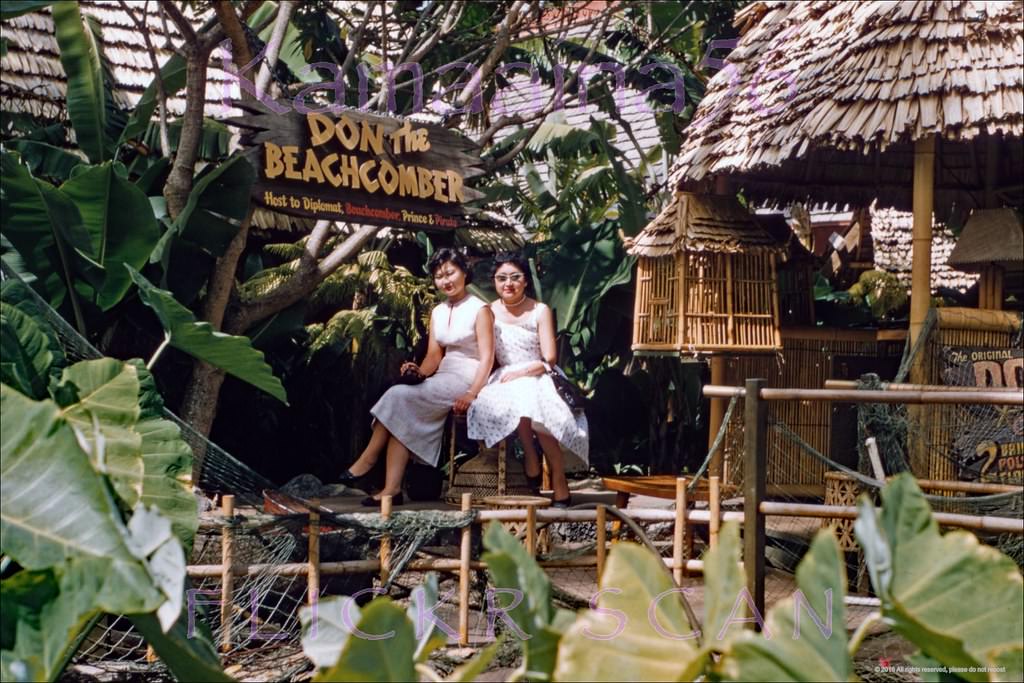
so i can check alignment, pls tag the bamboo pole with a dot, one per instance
(921, 255)
(464, 569)
(679, 535)
(977, 522)
(716, 414)
(979, 397)
(385, 541)
(602, 540)
(754, 475)
(314, 553)
(898, 386)
(975, 320)
(531, 530)
(227, 578)
(714, 507)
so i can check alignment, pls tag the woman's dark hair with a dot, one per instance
(516, 259)
(448, 255)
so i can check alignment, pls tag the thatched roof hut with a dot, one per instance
(824, 100)
(706, 279)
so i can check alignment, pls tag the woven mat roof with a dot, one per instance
(821, 101)
(33, 78)
(893, 238)
(696, 222)
(991, 236)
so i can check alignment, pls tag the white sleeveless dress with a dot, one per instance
(496, 412)
(415, 414)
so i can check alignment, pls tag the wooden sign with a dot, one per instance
(990, 445)
(359, 167)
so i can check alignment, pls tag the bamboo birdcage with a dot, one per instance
(706, 279)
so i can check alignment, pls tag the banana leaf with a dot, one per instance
(80, 57)
(235, 355)
(120, 223)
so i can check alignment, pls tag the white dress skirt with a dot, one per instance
(416, 414)
(496, 412)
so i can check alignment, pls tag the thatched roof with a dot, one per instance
(693, 222)
(893, 242)
(990, 237)
(822, 101)
(33, 78)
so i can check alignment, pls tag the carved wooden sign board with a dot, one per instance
(359, 167)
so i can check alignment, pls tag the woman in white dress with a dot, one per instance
(460, 354)
(520, 397)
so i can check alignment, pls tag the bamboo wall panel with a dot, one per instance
(805, 361)
(707, 301)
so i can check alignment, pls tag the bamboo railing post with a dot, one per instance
(716, 414)
(679, 537)
(464, 568)
(314, 553)
(714, 507)
(755, 435)
(227, 577)
(531, 530)
(921, 254)
(385, 541)
(602, 540)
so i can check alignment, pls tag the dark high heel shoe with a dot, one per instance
(562, 503)
(371, 502)
(533, 483)
(348, 479)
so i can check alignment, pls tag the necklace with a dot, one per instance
(518, 303)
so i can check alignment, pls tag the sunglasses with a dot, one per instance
(516, 278)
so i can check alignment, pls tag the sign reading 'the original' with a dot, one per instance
(990, 447)
(360, 167)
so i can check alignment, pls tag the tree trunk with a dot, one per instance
(199, 408)
(179, 181)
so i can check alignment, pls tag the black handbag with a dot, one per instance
(410, 377)
(567, 390)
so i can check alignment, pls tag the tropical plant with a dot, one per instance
(97, 513)
(638, 628)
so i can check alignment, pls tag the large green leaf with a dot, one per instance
(800, 648)
(218, 202)
(581, 270)
(640, 631)
(105, 415)
(173, 73)
(43, 613)
(956, 599)
(120, 222)
(521, 579)
(46, 228)
(56, 506)
(15, 8)
(235, 355)
(421, 602)
(45, 160)
(25, 356)
(190, 655)
(79, 55)
(385, 656)
(724, 582)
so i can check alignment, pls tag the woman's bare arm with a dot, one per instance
(485, 343)
(432, 359)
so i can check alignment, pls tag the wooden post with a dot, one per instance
(464, 558)
(679, 537)
(602, 540)
(755, 435)
(921, 255)
(716, 414)
(714, 507)
(502, 474)
(227, 577)
(531, 530)
(385, 541)
(314, 553)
